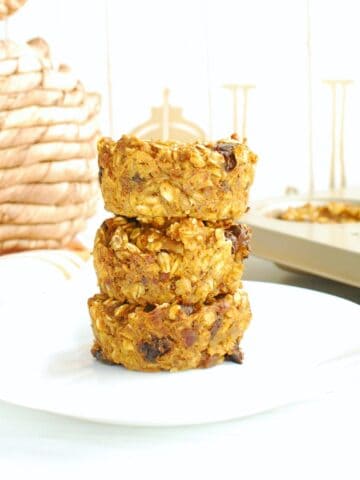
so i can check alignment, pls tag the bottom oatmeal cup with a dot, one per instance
(169, 336)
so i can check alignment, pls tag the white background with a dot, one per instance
(194, 48)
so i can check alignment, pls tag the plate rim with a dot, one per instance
(171, 422)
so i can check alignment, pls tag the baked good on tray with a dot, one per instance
(170, 179)
(169, 336)
(330, 212)
(182, 260)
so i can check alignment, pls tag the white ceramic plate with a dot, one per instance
(45, 362)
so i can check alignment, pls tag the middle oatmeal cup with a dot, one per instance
(186, 260)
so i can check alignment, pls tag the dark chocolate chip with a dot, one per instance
(220, 296)
(100, 173)
(136, 178)
(227, 151)
(98, 354)
(235, 356)
(156, 347)
(239, 236)
(105, 226)
(149, 308)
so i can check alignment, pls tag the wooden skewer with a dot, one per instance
(341, 146)
(234, 88)
(311, 184)
(4, 29)
(245, 89)
(208, 75)
(108, 71)
(337, 141)
(344, 84)
(333, 141)
(165, 115)
(332, 84)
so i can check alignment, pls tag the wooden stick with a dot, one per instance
(165, 115)
(337, 141)
(234, 87)
(208, 75)
(311, 184)
(4, 29)
(344, 84)
(332, 84)
(108, 70)
(245, 89)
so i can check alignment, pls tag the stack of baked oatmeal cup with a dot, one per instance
(169, 263)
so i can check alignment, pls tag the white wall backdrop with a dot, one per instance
(194, 48)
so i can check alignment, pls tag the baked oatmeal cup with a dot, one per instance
(182, 260)
(170, 179)
(169, 336)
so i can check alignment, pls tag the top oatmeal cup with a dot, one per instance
(141, 178)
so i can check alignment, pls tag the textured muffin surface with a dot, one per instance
(168, 179)
(185, 260)
(169, 336)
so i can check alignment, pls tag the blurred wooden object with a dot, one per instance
(8, 7)
(48, 168)
(167, 122)
(327, 250)
(337, 133)
(245, 88)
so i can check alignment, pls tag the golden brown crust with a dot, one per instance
(331, 212)
(184, 261)
(169, 336)
(168, 179)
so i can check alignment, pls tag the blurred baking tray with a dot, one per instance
(327, 250)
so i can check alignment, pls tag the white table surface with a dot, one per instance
(315, 440)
